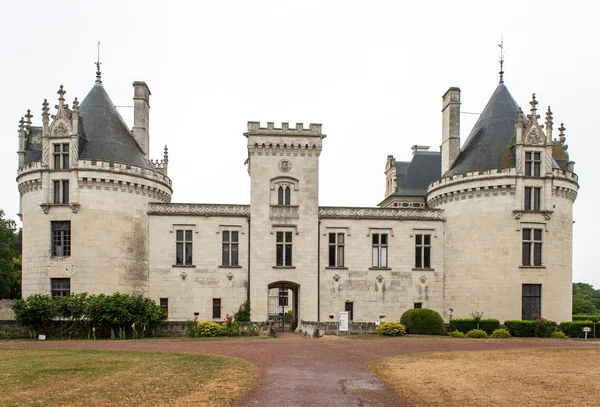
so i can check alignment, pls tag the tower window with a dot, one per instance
(283, 249)
(533, 163)
(61, 192)
(532, 198)
(531, 305)
(532, 247)
(60, 287)
(61, 238)
(61, 156)
(284, 195)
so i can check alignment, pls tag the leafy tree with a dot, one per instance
(10, 258)
(586, 300)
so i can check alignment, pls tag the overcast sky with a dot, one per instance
(372, 73)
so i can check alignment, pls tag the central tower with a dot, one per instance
(283, 164)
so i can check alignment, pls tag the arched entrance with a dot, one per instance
(282, 306)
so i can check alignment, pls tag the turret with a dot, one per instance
(450, 128)
(141, 115)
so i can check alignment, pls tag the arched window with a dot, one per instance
(280, 196)
(287, 196)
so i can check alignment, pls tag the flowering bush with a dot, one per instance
(231, 327)
(391, 328)
(543, 328)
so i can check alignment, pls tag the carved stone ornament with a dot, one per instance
(285, 165)
(379, 213)
(379, 278)
(336, 277)
(229, 276)
(75, 207)
(60, 130)
(45, 208)
(423, 279)
(183, 275)
(535, 136)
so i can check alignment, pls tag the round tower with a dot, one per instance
(85, 183)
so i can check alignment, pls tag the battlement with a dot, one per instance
(471, 176)
(314, 130)
(124, 169)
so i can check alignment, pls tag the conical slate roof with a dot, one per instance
(108, 138)
(487, 146)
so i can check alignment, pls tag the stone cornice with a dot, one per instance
(284, 211)
(198, 210)
(328, 212)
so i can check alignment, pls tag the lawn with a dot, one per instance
(523, 377)
(34, 377)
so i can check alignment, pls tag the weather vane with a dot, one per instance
(97, 63)
(501, 45)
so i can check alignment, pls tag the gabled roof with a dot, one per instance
(487, 146)
(413, 178)
(108, 137)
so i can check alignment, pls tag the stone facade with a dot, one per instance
(456, 247)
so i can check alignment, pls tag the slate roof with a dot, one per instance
(413, 178)
(108, 137)
(488, 144)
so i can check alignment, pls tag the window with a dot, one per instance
(422, 251)
(283, 297)
(60, 287)
(532, 198)
(418, 305)
(532, 247)
(164, 303)
(61, 238)
(380, 250)
(230, 248)
(183, 247)
(336, 250)
(61, 156)
(61, 192)
(216, 308)
(350, 310)
(531, 302)
(284, 249)
(284, 195)
(533, 162)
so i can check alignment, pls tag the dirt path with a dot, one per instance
(311, 372)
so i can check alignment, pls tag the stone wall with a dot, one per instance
(314, 329)
(6, 312)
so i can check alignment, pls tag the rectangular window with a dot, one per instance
(60, 287)
(418, 305)
(216, 314)
(61, 238)
(60, 154)
(422, 251)
(532, 247)
(283, 297)
(164, 303)
(230, 248)
(183, 247)
(336, 250)
(532, 198)
(61, 192)
(531, 302)
(284, 195)
(283, 257)
(533, 163)
(350, 310)
(379, 250)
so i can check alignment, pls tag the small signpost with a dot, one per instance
(42, 337)
(343, 321)
(586, 330)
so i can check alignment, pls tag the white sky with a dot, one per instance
(372, 73)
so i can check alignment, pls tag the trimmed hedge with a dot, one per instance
(465, 325)
(575, 329)
(423, 321)
(593, 318)
(520, 328)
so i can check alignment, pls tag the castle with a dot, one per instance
(486, 227)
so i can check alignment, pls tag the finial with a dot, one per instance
(28, 117)
(61, 96)
(21, 124)
(97, 63)
(166, 157)
(76, 105)
(501, 45)
(549, 118)
(519, 117)
(45, 111)
(561, 135)
(533, 103)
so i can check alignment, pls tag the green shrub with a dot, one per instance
(500, 333)
(543, 328)
(36, 312)
(477, 333)
(464, 325)
(206, 329)
(457, 334)
(423, 321)
(593, 318)
(558, 335)
(575, 329)
(391, 328)
(243, 314)
(520, 328)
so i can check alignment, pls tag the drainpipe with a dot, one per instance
(319, 271)
(248, 290)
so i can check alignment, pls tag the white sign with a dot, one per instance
(42, 337)
(344, 321)
(587, 329)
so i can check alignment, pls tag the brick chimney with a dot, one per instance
(141, 115)
(450, 128)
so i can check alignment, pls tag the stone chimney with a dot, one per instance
(450, 128)
(141, 115)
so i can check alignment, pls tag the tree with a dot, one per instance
(586, 300)
(10, 258)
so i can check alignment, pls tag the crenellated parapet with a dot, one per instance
(333, 212)
(198, 210)
(117, 168)
(282, 141)
(103, 184)
(313, 130)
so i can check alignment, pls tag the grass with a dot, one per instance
(36, 377)
(524, 377)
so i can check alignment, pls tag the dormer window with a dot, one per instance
(533, 163)
(61, 156)
(283, 195)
